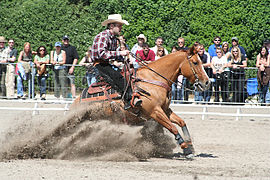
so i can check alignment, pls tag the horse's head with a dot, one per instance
(193, 70)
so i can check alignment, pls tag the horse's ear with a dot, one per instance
(192, 51)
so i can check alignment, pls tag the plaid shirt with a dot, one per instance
(104, 47)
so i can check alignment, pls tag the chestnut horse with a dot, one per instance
(156, 103)
(154, 82)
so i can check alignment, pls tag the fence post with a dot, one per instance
(238, 112)
(205, 110)
(33, 81)
(35, 109)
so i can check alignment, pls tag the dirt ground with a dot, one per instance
(225, 149)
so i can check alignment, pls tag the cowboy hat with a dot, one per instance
(114, 18)
(234, 39)
(142, 36)
(2, 39)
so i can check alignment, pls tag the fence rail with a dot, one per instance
(34, 105)
(251, 72)
(236, 111)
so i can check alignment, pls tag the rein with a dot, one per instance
(141, 61)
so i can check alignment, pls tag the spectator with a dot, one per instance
(266, 43)
(58, 60)
(160, 52)
(3, 67)
(181, 44)
(212, 49)
(137, 47)
(237, 63)
(174, 49)
(10, 73)
(72, 59)
(159, 42)
(122, 39)
(178, 84)
(24, 70)
(227, 72)
(218, 65)
(41, 59)
(185, 88)
(226, 49)
(236, 44)
(205, 95)
(91, 72)
(262, 63)
(146, 55)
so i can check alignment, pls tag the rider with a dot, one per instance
(104, 49)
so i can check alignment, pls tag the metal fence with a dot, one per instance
(229, 89)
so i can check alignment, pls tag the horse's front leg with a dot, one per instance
(160, 116)
(180, 122)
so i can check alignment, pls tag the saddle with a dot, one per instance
(100, 91)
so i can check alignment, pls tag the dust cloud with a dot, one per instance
(88, 132)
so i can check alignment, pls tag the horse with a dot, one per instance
(153, 83)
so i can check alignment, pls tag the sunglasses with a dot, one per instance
(42, 50)
(218, 52)
(217, 39)
(235, 51)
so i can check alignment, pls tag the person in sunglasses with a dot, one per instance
(235, 43)
(237, 63)
(41, 59)
(212, 49)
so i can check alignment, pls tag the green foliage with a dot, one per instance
(45, 22)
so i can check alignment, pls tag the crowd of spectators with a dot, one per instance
(224, 63)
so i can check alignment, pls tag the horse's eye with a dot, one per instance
(195, 63)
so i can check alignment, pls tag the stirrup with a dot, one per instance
(135, 100)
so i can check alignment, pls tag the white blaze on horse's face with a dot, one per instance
(198, 74)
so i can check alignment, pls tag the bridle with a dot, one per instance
(196, 83)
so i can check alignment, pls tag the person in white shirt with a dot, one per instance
(159, 42)
(218, 64)
(137, 47)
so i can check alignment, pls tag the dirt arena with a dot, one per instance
(88, 145)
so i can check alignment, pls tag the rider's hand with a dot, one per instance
(124, 53)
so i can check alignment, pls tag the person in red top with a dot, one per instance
(146, 55)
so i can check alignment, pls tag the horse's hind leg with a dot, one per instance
(180, 122)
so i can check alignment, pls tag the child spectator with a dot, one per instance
(218, 65)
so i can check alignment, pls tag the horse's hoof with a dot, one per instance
(190, 156)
